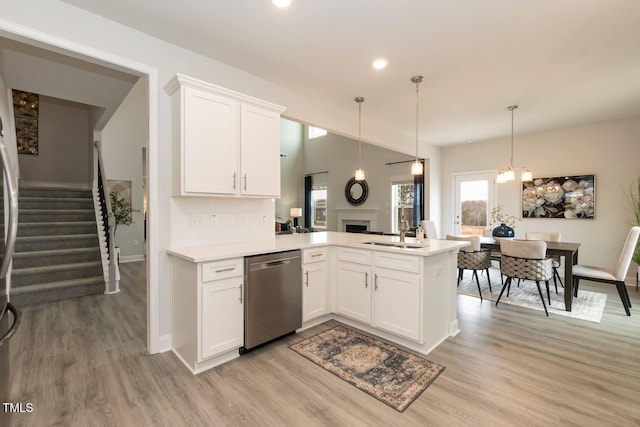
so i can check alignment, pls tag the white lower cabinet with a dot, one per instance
(221, 326)
(315, 283)
(353, 293)
(207, 311)
(380, 289)
(396, 303)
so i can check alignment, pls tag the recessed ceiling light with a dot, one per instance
(380, 63)
(281, 3)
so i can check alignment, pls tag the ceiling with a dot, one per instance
(37, 70)
(564, 62)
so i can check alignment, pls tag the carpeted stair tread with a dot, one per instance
(55, 202)
(53, 291)
(56, 241)
(55, 273)
(58, 285)
(55, 211)
(57, 237)
(55, 215)
(57, 228)
(53, 268)
(53, 252)
(58, 252)
(56, 256)
(53, 192)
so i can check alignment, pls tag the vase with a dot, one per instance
(503, 230)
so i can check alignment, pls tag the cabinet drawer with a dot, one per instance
(354, 255)
(410, 264)
(224, 269)
(314, 255)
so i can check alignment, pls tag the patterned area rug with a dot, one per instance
(391, 375)
(587, 306)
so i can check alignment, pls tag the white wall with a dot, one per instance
(609, 150)
(123, 138)
(70, 26)
(339, 156)
(291, 170)
(64, 144)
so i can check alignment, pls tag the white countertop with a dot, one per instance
(285, 242)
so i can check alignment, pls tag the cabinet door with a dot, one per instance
(353, 293)
(259, 152)
(221, 323)
(315, 279)
(396, 302)
(209, 150)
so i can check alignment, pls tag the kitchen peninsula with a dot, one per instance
(402, 292)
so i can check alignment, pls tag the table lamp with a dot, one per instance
(295, 214)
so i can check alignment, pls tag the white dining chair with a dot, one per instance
(473, 258)
(548, 237)
(527, 260)
(613, 276)
(429, 228)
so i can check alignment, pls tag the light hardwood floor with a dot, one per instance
(83, 362)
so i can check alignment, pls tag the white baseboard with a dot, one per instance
(131, 258)
(164, 343)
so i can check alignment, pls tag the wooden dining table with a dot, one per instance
(567, 250)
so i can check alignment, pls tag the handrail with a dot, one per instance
(111, 223)
(12, 226)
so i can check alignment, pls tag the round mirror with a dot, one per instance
(356, 192)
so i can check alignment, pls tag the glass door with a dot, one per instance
(473, 199)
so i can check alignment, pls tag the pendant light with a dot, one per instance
(416, 167)
(509, 173)
(359, 175)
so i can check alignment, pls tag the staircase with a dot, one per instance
(57, 254)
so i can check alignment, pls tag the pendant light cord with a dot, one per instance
(359, 100)
(417, 80)
(511, 108)
(359, 134)
(417, 115)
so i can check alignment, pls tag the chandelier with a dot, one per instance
(509, 173)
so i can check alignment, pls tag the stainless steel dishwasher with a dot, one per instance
(273, 297)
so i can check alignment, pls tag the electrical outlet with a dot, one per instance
(212, 219)
(196, 220)
(135, 242)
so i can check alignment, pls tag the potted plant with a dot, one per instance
(506, 223)
(122, 213)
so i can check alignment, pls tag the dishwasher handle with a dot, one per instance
(271, 264)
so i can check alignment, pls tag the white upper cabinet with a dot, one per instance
(259, 156)
(224, 143)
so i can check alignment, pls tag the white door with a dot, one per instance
(473, 200)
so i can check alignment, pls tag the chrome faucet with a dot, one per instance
(404, 227)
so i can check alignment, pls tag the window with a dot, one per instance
(316, 132)
(319, 206)
(402, 196)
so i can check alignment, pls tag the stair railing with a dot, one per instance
(108, 219)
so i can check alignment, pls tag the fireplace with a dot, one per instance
(356, 228)
(357, 220)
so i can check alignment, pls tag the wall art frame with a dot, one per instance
(26, 111)
(569, 197)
